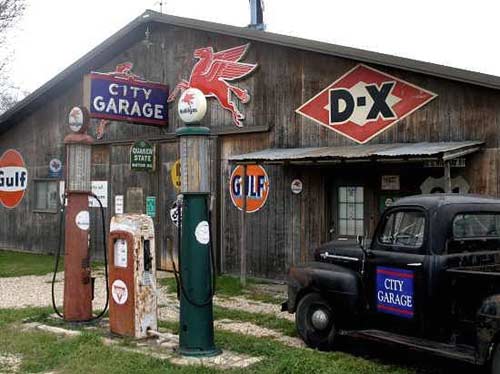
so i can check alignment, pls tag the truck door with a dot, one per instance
(394, 271)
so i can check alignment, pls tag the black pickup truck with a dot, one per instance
(429, 280)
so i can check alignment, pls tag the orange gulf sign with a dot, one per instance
(13, 178)
(256, 187)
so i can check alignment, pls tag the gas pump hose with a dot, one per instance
(178, 276)
(58, 255)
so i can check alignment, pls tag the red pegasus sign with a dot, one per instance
(211, 74)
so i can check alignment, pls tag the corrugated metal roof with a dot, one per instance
(122, 39)
(442, 150)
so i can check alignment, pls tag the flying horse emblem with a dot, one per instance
(211, 75)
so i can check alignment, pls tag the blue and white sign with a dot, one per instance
(123, 96)
(395, 291)
(55, 168)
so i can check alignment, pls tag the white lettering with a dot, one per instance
(123, 106)
(111, 106)
(99, 104)
(136, 109)
(147, 93)
(113, 89)
(135, 89)
(147, 110)
(158, 111)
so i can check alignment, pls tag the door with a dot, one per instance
(395, 271)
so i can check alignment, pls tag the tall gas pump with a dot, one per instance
(78, 282)
(196, 260)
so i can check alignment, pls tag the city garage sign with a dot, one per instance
(124, 96)
(364, 102)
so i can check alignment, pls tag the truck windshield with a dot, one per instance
(476, 225)
(404, 228)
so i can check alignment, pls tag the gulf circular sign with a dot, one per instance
(256, 186)
(13, 178)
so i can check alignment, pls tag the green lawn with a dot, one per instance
(42, 352)
(227, 286)
(15, 264)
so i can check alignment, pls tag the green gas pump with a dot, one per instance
(196, 280)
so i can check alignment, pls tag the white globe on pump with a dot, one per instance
(192, 106)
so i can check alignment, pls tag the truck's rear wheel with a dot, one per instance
(315, 322)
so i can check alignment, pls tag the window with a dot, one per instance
(404, 228)
(46, 195)
(476, 225)
(350, 211)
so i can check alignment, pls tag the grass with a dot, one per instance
(269, 321)
(43, 352)
(17, 264)
(229, 286)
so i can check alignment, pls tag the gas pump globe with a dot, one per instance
(196, 262)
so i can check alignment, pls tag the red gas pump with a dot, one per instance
(78, 283)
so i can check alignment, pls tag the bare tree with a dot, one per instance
(10, 13)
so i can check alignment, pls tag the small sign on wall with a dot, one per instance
(119, 204)
(55, 168)
(390, 183)
(151, 206)
(100, 189)
(142, 156)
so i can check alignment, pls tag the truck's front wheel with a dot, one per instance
(315, 322)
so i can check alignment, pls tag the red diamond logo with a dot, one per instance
(364, 102)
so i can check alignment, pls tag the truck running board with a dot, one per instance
(457, 352)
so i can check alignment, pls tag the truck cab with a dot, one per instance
(429, 279)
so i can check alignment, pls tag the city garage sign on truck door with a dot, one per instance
(124, 96)
(364, 102)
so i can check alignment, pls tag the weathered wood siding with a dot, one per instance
(286, 229)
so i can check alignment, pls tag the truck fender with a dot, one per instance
(488, 328)
(340, 286)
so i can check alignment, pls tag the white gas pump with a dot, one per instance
(132, 276)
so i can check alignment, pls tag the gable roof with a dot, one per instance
(132, 33)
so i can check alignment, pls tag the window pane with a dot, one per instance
(359, 211)
(342, 194)
(351, 194)
(41, 195)
(407, 229)
(359, 227)
(351, 228)
(359, 194)
(52, 195)
(351, 211)
(342, 211)
(476, 225)
(342, 227)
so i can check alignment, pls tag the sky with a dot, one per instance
(53, 34)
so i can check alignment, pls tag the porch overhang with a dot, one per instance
(385, 153)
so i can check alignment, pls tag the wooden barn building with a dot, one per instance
(339, 132)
